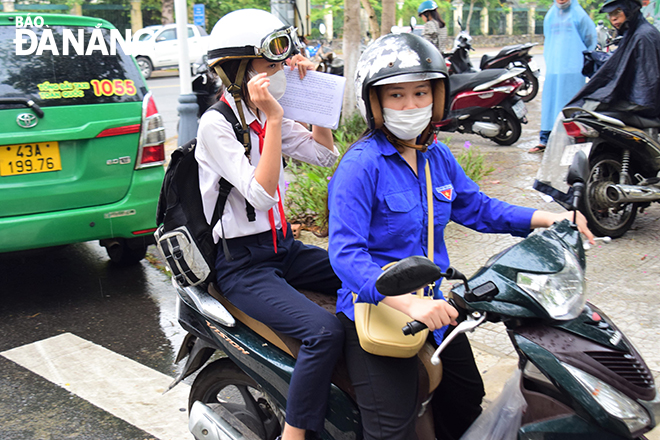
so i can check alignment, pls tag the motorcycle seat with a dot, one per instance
(506, 50)
(430, 375)
(466, 81)
(634, 120)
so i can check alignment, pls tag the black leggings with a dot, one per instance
(386, 390)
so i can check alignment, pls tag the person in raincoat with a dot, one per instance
(568, 32)
(628, 82)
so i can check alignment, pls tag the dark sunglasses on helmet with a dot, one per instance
(279, 45)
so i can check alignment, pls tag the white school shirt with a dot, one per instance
(220, 154)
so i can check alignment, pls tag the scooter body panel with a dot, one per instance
(270, 367)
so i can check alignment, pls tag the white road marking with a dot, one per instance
(124, 388)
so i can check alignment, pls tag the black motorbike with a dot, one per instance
(624, 157)
(578, 373)
(515, 56)
(205, 85)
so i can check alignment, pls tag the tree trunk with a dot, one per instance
(469, 17)
(388, 16)
(351, 44)
(167, 13)
(374, 28)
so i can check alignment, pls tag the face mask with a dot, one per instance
(407, 124)
(565, 5)
(277, 85)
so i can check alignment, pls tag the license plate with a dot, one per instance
(519, 109)
(534, 68)
(40, 157)
(570, 151)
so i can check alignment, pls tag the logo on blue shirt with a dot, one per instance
(446, 191)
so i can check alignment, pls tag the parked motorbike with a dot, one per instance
(580, 376)
(205, 85)
(624, 156)
(485, 103)
(515, 56)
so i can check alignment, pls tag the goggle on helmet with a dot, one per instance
(249, 34)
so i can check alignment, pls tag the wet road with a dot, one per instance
(75, 290)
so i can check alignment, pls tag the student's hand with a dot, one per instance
(302, 63)
(435, 313)
(261, 97)
(545, 219)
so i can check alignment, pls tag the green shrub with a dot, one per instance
(473, 162)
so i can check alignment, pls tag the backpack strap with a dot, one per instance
(224, 186)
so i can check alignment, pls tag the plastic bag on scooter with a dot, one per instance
(501, 420)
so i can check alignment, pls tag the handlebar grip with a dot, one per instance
(413, 327)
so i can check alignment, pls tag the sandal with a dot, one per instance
(538, 149)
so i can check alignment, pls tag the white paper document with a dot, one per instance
(315, 99)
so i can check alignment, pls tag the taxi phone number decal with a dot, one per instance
(114, 87)
(104, 87)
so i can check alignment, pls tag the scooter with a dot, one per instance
(515, 56)
(205, 85)
(624, 160)
(485, 103)
(579, 375)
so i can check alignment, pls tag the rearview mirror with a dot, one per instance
(322, 28)
(413, 22)
(579, 169)
(408, 275)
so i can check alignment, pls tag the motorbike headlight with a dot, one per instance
(561, 294)
(613, 401)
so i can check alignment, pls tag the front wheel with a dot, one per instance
(223, 383)
(603, 219)
(145, 66)
(530, 89)
(510, 128)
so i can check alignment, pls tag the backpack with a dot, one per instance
(183, 237)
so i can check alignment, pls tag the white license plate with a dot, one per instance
(534, 68)
(570, 151)
(520, 109)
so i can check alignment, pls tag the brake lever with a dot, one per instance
(472, 321)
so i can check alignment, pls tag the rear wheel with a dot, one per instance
(603, 219)
(510, 128)
(530, 89)
(223, 383)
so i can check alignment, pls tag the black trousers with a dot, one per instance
(386, 390)
(263, 284)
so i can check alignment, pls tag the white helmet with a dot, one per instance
(249, 34)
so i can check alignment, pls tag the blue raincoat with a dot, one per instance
(568, 32)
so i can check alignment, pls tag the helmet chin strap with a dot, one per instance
(401, 144)
(235, 90)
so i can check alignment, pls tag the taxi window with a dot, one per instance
(55, 80)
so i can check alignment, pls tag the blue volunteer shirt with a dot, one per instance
(379, 213)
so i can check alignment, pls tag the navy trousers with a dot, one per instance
(386, 390)
(263, 284)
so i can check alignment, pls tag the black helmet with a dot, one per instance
(627, 6)
(397, 58)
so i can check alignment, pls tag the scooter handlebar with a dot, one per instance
(414, 327)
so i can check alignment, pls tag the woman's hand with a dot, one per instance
(303, 64)
(262, 99)
(434, 313)
(545, 219)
